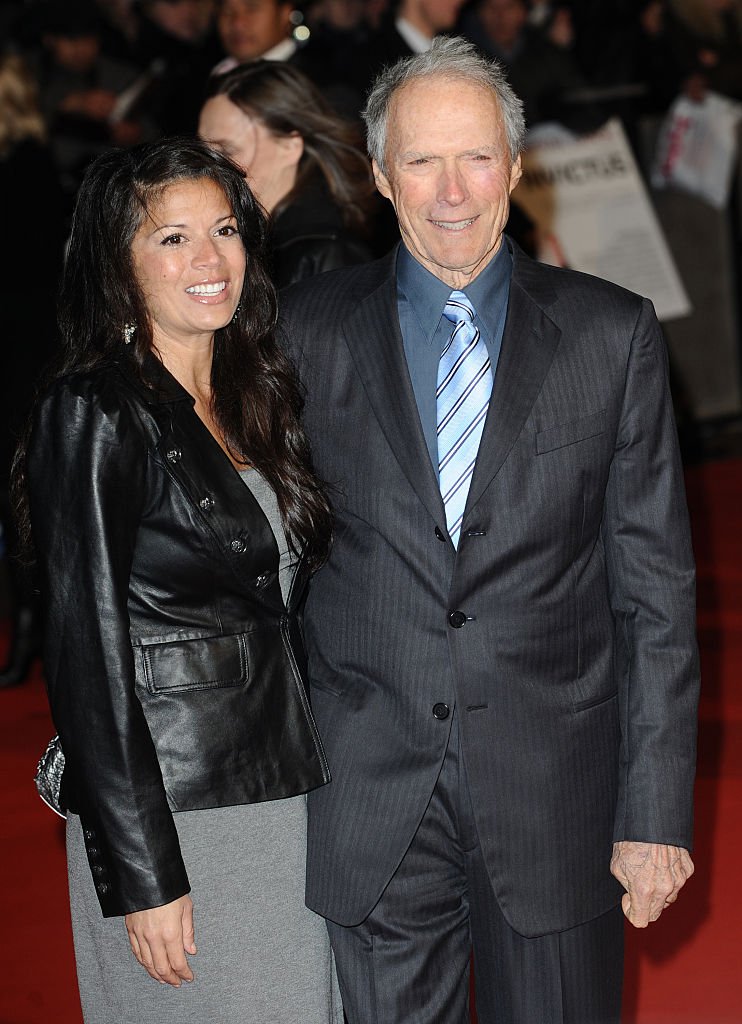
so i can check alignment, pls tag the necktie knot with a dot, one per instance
(458, 308)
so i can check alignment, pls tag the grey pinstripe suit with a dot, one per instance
(575, 673)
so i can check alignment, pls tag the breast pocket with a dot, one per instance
(570, 433)
(202, 664)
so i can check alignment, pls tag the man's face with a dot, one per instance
(249, 28)
(449, 175)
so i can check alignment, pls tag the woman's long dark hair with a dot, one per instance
(286, 101)
(256, 400)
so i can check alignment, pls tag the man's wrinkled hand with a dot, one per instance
(652, 875)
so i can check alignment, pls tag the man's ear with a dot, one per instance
(382, 182)
(516, 171)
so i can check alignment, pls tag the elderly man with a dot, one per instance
(501, 644)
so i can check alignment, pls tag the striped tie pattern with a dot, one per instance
(462, 399)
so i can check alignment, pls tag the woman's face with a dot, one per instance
(270, 161)
(190, 263)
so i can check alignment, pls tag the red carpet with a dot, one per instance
(684, 970)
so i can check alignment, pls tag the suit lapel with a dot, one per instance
(374, 338)
(529, 342)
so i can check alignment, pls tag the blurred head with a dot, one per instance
(173, 208)
(445, 132)
(72, 35)
(271, 120)
(20, 116)
(503, 20)
(430, 16)
(250, 28)
(188, 20)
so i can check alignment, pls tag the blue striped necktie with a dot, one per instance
(462, 399)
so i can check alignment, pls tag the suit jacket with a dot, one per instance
(174, 668)
(562, 629)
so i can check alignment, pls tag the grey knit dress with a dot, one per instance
(263, 957)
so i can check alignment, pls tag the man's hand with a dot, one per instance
(652, 875)
(161, 937)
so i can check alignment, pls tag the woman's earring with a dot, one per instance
(236, 314)
(129, 331)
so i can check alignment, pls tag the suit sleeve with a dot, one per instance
(87, 467)
(652, 591)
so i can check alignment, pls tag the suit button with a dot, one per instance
(174, 455)
(441, 711)
(238, 546)
(206, 504)
(440, 534)
(456, 619)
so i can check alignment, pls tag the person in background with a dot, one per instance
(264, 29)
(175, 518)
(502, 653)
(80, 89)
(303, 163)
(706, 42)
(541, 73)
(32, 224)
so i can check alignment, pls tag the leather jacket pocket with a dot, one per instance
(201, 664)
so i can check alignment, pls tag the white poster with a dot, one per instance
(697, 148)
(592, 213)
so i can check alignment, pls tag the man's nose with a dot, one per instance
(452, 188)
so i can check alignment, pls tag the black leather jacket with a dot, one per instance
(175, 671)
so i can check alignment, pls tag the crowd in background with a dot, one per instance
(80, 76)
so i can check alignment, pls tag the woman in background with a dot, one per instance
(175, 519)
(302, 161)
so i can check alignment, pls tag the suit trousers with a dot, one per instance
(408, 961)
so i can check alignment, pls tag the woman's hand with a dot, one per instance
(160, 939)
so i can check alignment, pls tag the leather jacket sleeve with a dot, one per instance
(86, 470)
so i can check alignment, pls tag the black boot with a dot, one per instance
(24, 647)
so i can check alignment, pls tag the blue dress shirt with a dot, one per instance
(421, 298)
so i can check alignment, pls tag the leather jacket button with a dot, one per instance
(456, 619)
(103, 888)
(441, 711)
(89, 834)
(206, 504)
(260, 581)
(174, 455)
(238, 546)
(440, 534)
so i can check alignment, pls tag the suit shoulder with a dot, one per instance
(578, 291)
(335, 291)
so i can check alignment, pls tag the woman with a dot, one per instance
(302, 163)
(175, 519)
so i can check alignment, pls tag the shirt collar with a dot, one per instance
(414, 38)
(427, 294)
